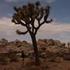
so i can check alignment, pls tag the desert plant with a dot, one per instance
(4, 58)
(26, 16)
(66, 56)
(12, 55)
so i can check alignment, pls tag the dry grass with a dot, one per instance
(28, 64)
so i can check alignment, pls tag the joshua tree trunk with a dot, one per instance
(36, 54)
(26, 16)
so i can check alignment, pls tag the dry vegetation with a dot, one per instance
(53, 54)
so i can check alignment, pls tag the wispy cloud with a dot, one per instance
(55, 28)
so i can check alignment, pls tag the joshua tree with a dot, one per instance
(26, 16)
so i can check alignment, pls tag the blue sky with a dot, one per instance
(60, 8)
(59, 29)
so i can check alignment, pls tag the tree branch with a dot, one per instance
(39, 26)
(49, 21)
(41, 14)
(20, 33)
(23, 24)
(16, 9)
(47, 11)
(16, 21)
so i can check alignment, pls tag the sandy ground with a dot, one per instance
(28, 65)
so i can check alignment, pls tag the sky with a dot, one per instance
(59, 29)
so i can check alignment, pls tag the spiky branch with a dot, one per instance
(20, 33)
(27, 15)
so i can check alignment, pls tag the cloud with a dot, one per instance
(11, 0)
(48, 1)
(54, 30)
(55, 27)
(8, 30)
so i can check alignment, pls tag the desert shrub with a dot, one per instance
(59, 54)
(51, 59)
(13, 56)
(58, 59)
(30, 55)
(4, 59)
(43, 55)
(43, 49)
(66, 56)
